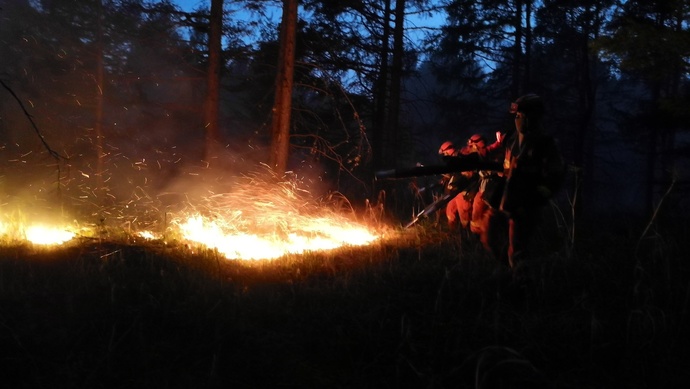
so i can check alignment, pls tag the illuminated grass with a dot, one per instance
(420, 311)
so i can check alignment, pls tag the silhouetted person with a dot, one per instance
(533, 169)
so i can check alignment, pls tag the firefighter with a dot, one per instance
(465, 184)
(490, 188)
(451, 182)
(533, 169)
(447, 149)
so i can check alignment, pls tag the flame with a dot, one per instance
(256, 220)
(235, 236)
(267, 218)
(45, 235)
(148, 235)
(313, 234)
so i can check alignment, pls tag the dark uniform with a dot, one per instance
(533, 170)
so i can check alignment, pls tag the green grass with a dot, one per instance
(421, 312)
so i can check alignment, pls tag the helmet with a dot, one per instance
(446, 149)
(530, 104)
(476, 139)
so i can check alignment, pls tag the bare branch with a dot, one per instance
(52, 152)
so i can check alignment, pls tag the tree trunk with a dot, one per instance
(381, 132)
(397, 63)
(282, 106)
(517, 51)
(211, 103)
(527, 75)
(98, 126)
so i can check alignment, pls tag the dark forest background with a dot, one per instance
(117, 96)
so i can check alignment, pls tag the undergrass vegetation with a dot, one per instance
(419, 310)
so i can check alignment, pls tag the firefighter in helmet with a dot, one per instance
(451, 182)
(465, 184)
(533, 169)
(490, 187)
(447, 149)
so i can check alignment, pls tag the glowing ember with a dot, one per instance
(313, 234)
(48, 235)
(148, 235)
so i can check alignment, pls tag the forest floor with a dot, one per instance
(422, 311)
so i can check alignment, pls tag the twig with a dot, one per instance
(52, 152)
(654, 214)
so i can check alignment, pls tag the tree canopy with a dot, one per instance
(119, 87)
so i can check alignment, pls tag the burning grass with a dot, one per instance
(265, 220)
(260, 218)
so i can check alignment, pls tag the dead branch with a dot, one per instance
(52, 152)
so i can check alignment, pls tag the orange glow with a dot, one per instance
(233, 233)
(48, 235)
(262, 219)
(309, 234)
(256, 220)
(148, 235)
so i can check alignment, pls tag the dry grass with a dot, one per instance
(421, 311)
